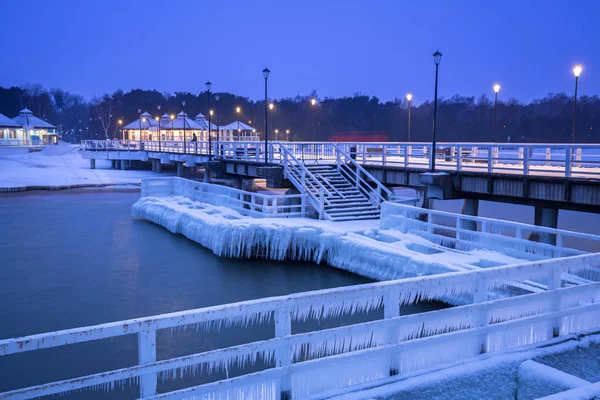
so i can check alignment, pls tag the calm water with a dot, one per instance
(79, 258)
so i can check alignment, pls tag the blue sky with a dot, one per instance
(381, 48)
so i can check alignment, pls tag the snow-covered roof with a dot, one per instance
(235, 125)
(146, 122)
(203, 122)
(6, 122)
(179, 122)
(26, 118)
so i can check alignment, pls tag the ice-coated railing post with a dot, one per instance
(548, 155)
(578, 152)
(321, 203)
(521, 154)
(147, 355)
(526, 155)
(303, 205)
(407, 152)
(490, 160)
(391, 309)
(274, 209)
(568, 160)
(383, 151)
(480, 295)
(459, 158)
(283, 355)
(554, 282)
(458, 227)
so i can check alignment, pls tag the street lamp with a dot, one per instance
(576, 71)
(313, 101)
(266, 73)
(238, 110)
(287, 135)
(496, 90)
(218, 127)
(140, 132)
(120, 122)
(409, 98)
(208, 86)
(437, 57)
(276, 134)
(158, 128)
(183, 116)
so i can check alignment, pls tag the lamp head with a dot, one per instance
(577, 70)
(437, 57)
(496, 88)
(211, 112)
(266, 73)
(172, 117)
(208, 85)
(409, 97)
(271, 106)
(237, 109)
(313, 101)
(217, 97)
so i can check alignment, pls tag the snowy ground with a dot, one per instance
(59, 167)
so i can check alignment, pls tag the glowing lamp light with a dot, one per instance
(144, 119)
(211, 112)
(237, 109)
(156, 118)
(172, 116)
(409, 97)
(313, 101)
(577, 70)
(271, 106)
(496, 88)
(120, 122)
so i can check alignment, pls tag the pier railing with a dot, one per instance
(467, 232)
(245, 202)
(309, 363)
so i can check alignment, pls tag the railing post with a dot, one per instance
(321, 203)
(391, 309)
(525, 161)
(568, 161)
(548, 155)
(383, 149)
(479, 296)
(303, 204)
(283, 356)
(459, 158)
(554, 282)
(407, 153)
(490, 160)
(147, 355)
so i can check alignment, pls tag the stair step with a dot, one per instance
(365, 209)
(351, 218)
(342, 206)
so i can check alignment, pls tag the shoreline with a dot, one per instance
(129, 187)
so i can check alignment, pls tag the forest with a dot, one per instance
(460, 118)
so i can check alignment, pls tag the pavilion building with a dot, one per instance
(141, 128)
(11, 133)
(238, 131)
(34, 131)
(182, 128)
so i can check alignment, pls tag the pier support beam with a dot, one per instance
(470, 207)
(158, 166)
(92, 163)
(179, 169)
(547, 217)
(123, 165)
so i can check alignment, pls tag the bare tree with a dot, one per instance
(104, 108)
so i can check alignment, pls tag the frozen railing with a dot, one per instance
(309, 363)
(466, 232)
(244, 202)
(562, 160)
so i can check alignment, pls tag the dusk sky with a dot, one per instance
(379, 48)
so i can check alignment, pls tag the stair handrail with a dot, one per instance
(381, 189)
(317, 202)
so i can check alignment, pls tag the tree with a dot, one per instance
(104, 108)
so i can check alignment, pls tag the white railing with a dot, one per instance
(561, 160)
(246, 203)
(305, 180)
(23, 143)
(466, 232)
(296, 364)
(360, 178)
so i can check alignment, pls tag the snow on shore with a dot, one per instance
(59, 167)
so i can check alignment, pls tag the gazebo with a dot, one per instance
(236, 129)
(11, 133)
(174, 129)
(141, 128)
(35, 130)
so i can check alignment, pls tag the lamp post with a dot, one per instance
(120, 122)
(287, 135)
(140, 113)
(208, 86)
(276, 134)
(238, 110)
(409, 98)
(271, 107)
(496, 90)
(313, 101)
(183, 116)
(577, 71)
(266, 73)
(218, 127)
(437, 57)
(158, 128)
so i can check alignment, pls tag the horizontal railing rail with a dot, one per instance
(466, 331)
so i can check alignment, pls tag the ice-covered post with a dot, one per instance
(391, 309)
(490, 160)
(480, 295)
(303, 204)
(283, 355)
(321, 203)
(525, 161)
(568, 160)
(459, 158)
(147, 355)
(554, 282)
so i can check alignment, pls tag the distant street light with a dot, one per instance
(158, 127)
(313, 102)
(496, 90)
(218, 127)
(183, 115)
(208, 86)
(238, 110)
(266, 73)
(120, 130)
(437, 57)
(409, 98)
(287, 135)
(577, 71)
(271, 106)
(140, 112)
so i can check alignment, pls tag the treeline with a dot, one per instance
(460, 118)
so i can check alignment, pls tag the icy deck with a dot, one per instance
(359, 247)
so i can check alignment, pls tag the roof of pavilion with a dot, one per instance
(144, 122)
(203, 122)
(238, 125)
(180, 122)
(6, 122)
(27, 119)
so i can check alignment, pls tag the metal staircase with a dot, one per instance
(339, 188)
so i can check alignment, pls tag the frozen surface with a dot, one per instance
(538, 380)
(355, 246)
(57, 166)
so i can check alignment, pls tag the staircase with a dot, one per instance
(342, 200)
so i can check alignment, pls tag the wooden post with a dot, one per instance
(391, 309)
(283, 356)
(147, 355)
